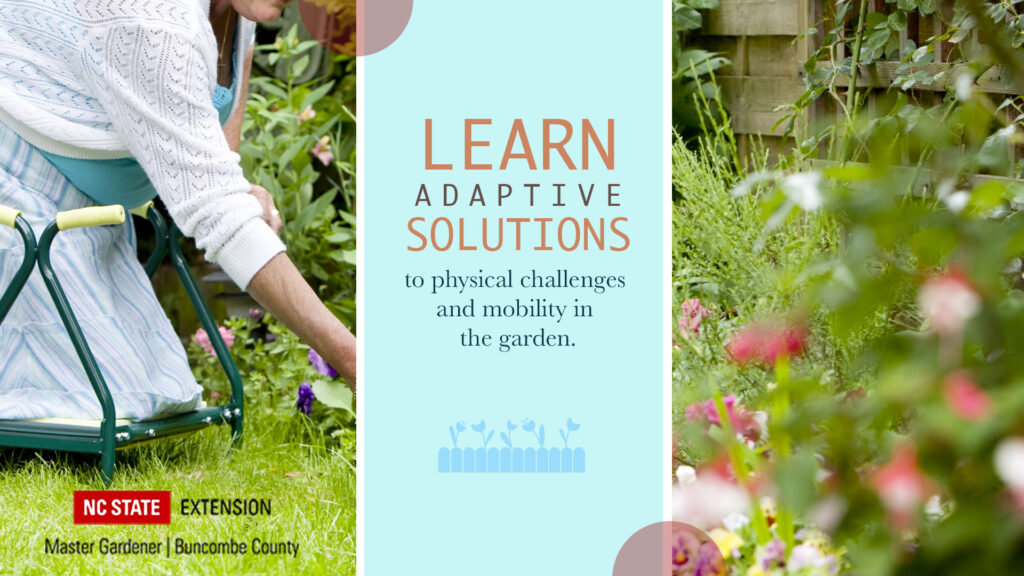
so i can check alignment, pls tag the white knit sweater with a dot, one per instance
(102, 79)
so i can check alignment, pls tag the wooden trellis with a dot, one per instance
(763, 39)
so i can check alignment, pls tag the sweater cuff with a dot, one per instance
(249, 251)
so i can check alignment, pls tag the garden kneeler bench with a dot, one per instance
(105, 436)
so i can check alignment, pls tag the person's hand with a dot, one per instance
(286, 295)
(270, 214)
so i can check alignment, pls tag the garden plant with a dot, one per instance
(849, 390)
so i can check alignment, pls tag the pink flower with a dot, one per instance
(765, 344)
(691, 315)
(322, 151)
(901, 485)
(707, 410)
(203, 339)
(744, 422)
(964, 398)
(307, 114)
(947, 302)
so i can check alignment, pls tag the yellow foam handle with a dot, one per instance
(8, 215)
(141, 211)
(93, 216)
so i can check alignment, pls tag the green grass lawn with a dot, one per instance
(283, 458)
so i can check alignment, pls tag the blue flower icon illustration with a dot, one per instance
(479, 428)
(507, 438)
(571, 427)
(455, 431)
(511, 458)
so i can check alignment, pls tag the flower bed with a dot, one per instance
(849, 393)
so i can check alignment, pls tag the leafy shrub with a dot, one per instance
(693, 81)
(295, 138)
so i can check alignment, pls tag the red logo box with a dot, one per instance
(122, 507)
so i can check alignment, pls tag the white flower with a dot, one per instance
(956, 201)
(803, 556)
(803, 188)
(1009, 462)
(934, 509)
(761, 417)
(735, 522)
(686, 475)
(828, 512)
(948, 302)
(964, 87)
(706, 500)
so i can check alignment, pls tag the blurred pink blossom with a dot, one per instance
(692, 313)
(203, 339)
(964, 397)
(707, 410)
(747, 424)
(307, 114)
(765, 343)
(322, 151)
(947, 302)
(901, 485)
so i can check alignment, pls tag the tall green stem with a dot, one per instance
(780, 441)
(742, 472)
(851, 92)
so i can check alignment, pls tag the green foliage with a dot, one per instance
(724, 255)
(686, 16)
(316, 198)
(980, 35)
(693, 82)
(273, 362)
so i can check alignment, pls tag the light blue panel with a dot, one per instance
(566, 508)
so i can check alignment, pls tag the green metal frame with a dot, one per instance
(109, 436)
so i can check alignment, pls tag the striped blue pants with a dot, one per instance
(137, 350)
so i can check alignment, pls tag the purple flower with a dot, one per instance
(321, 365)
(773, 554)
(693, 555)
(685, 552)
(304, 403)
(255, 313)
(709, 561)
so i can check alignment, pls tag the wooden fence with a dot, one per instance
(763, 39)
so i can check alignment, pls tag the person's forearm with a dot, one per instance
(280, 289)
